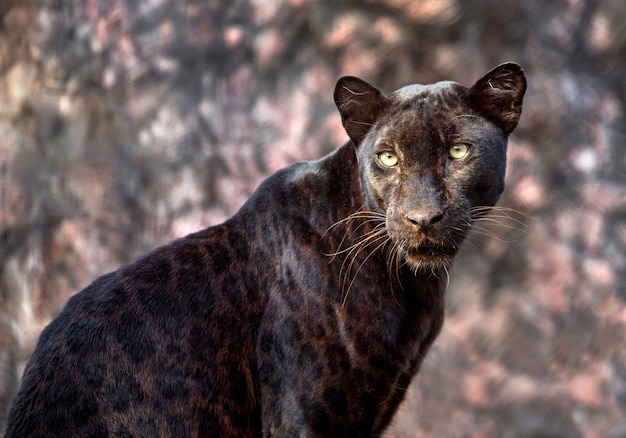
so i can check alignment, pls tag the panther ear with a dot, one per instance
(359, 104)
(498, 95)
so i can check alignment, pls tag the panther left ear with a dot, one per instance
(359, 104)
(498, 95)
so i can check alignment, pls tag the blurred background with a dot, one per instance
(125, 124)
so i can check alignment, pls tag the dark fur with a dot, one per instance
(283, 321)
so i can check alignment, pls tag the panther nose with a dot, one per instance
(424, 220)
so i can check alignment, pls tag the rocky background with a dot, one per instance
(125, 124)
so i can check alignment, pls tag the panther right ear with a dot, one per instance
(359, 104)
(499, 94)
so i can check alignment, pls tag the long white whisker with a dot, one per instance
(359, 269)
(370, 240)
(447, 276)
(363, 240)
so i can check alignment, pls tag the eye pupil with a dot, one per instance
(458, 151)
(388, 158)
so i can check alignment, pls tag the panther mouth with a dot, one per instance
(428, 255)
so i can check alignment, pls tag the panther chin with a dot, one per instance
(427, 257)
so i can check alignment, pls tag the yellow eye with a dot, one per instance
(388, 158)
(458, 151)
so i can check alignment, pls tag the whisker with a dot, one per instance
(370, 216)
(393, 267)
(490, 234)
(359, 214)
(361, 266)
(520, 226)
(357, 248)
(447, 276)
(364, 239)
(500, 208)
(354, 250)
(500, 212)
(464, 115)
(499, 217)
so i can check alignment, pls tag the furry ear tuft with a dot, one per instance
(498, 95)
(359, 104)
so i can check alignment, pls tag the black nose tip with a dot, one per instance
(424, 220)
